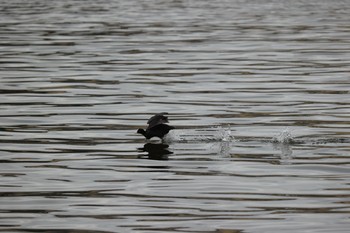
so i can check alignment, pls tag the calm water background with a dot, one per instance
(258, 91)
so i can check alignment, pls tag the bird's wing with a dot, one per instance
(157, 119)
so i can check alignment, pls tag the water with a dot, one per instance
(258, 92)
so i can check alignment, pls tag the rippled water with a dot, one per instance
(258, 92)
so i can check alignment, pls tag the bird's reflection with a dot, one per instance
(156, 151)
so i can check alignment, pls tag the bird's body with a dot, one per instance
(156, 127)
(156, 131)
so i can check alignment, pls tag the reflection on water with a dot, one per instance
(156, 151)
(258, 92)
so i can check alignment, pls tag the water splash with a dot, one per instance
(218, 140)
(215, 134)
(223, 141)
(282, 142)
(224, 134)
(284, 137)
(174, 136)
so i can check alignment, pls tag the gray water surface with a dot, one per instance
(258, 92)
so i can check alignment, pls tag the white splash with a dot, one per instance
(173, 136)
(219, 138)
(285, 137)
(223, 141)
(282, 142)
(224, 134)
(215, 134)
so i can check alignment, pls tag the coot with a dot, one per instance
(156, 126)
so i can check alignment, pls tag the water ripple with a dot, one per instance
(258, 93)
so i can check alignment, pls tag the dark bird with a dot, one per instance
(156, 126)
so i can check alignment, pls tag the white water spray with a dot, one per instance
(285, 137)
